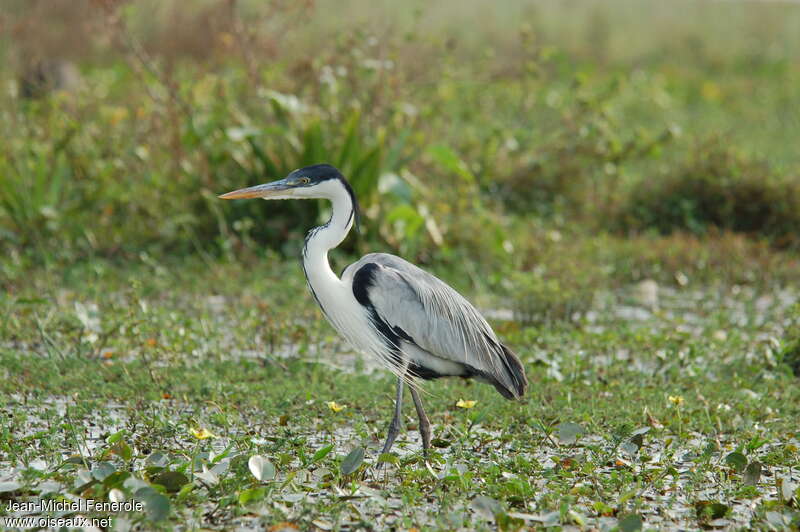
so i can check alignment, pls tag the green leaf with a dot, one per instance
(365, 175)
(352, 461)
(602, 508)
(630, 523)
(448, 160)
(74, 459)
(156, 505)
(116, 479)
(737, 461)
(252, 495)
(568, 432)
(350, 146)
(707, 510)
(313, 145)
(388, 458)
(441, 443)
(269, 167)
(117, 436)
(185, 491)
(31, 301)
(752, 474)
(123, 450)
(322, 453)
(172, 481)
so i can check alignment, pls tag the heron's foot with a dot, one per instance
(394, 431)
(425, 433)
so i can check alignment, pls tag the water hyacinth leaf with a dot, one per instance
(636, 440)
(157, 460)
(707, 510)
(568, 432)
(171, 480)
(134, 484)
(101, 470)
(776, 519)
(261, 468)
(208, 476)
(752, 474)
(83, 480)
(116, 479)
(630, 523)
(630, 447)
(787, 489)
(7, 487)
(156, 505)
(486, 506)
(322, 452)
(737, 461)
(353, 461)
(49, 487)
(75, 459)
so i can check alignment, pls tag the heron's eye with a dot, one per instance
(305, 180)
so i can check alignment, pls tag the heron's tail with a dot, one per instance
(517, 381)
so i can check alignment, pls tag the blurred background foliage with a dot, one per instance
(540, 148)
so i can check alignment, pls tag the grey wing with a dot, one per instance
(420, 308)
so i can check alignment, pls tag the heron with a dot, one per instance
(413, 322)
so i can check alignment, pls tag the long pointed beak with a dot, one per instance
(260, 191)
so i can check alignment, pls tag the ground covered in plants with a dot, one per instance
(616, 185)
(160, 383)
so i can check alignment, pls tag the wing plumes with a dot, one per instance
(475, 338)
(436, 318)
(516, 373)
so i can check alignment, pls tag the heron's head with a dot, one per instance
(317, 181)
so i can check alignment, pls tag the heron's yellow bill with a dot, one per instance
(260, 191)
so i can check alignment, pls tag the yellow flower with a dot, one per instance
(676, 399)
(335, 407)
(711, 91)
(202, 433)
(465, 404)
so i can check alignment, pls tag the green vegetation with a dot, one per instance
(615, 183)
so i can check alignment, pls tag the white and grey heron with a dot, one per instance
(417, 325)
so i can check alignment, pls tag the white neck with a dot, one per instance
(321, 239)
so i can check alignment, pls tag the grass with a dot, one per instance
(109, 374)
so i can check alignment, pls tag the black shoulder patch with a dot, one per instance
(363, 280)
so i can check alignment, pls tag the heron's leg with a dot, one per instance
(424, 423)
(394, 426)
